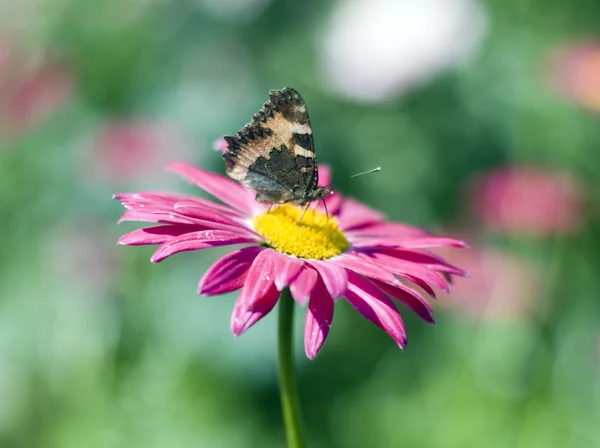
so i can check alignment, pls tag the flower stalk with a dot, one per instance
(287, 376)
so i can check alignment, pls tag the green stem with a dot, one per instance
(287, 376)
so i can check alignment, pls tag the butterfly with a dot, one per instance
(275, 153)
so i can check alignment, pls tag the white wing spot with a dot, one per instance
(299, 128)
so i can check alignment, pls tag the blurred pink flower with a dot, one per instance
(5, 52)
(134, 149)
(354, 252)
(576, 71)
(527, 200)
(77, 251)
(29, 93)
(500, 286)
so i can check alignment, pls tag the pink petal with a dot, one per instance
(286, 269)
(172, 208)
(370, 269)
(157, 234)
(334, 276)
(227, 190)
(408, 243)
(163, 218)
(302, 286)
(146, 199)
(325, 175)
(387, 229)
(410, 298)
(229, 273)
(423, 284)
(198, 215)
(354, 214)
(260, 277)
(243, 317)
(318, 320)
(428, 260)
(259, 294)
(169, 199)
(366, 268)
(200, 211)
(432, 241)
(203, 214)
(203, 239)
(374, 305)
(408, 269)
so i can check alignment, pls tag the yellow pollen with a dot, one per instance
(315, 236)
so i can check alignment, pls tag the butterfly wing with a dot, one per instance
(275, 154)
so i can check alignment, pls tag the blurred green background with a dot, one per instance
(99, 348)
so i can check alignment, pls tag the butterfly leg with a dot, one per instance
(325, 207)
(304, 212)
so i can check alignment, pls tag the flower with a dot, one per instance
(132, 148)
(351, 252)
(501, 287)
(78, 248)
(29, 92)
(528, 200)
(574, 73)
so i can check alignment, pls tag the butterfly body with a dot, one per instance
(275, 154)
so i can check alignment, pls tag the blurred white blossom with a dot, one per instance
(374, 49)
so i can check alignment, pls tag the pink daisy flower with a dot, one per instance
(502, 287)
(126, 149)
(574, 72)
(30, 91)
(528, 200)
(353, 253)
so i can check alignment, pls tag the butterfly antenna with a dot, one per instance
(374, 170)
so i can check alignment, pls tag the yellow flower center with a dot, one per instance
(315, 236)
